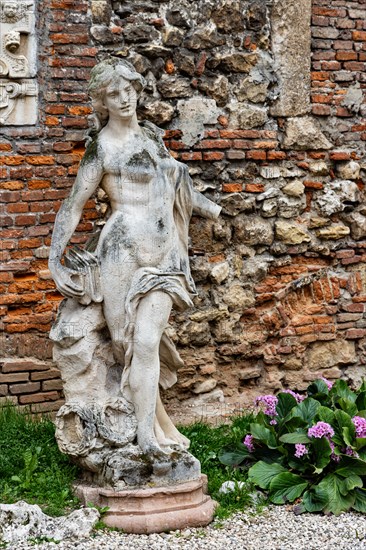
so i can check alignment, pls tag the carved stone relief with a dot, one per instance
(18, 68)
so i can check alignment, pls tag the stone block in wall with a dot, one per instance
(18, 102)
(18, 67)
(290, 22)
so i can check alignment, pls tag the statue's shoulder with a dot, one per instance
(93, 151)
(156, 134)
(152, 130)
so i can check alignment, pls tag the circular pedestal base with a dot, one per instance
(153, 510)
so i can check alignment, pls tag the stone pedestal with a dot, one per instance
(153, 509)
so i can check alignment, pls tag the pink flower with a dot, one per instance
(360, 425)
(248, 442)
(270, 402)
(301, 450)
(333, 456)
(321, 429)
(297, 396)
(328, 382)
(350, 452)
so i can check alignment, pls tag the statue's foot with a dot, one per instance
(151, 447)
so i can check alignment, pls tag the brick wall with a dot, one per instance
(300, 303)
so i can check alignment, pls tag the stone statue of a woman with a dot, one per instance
(140, 265)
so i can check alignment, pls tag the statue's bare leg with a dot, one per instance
(151, 320)
(168, 432)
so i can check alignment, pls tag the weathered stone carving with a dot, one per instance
(18, 102)
(18, 47)
(111, 342)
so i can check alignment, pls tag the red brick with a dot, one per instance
(52, 121)
(359, 36)
(355, 333)
(191, 156)
(12, 185)
(232, 187)
(256, 155)
(28, 219)
(343, 45)
(13, 160)
(214, 144)
(55, 109)
(17, 207)
(69, 38)
(254, 188)
(15, 377)
(40, 160)
(346, 55)
(320, 75)
(39, 397)
(28, 387)
(5, 147)
(345, 253)
(265, 144)
(45, 375)
(232, 134)
(276, 155)
(339, 155)
(213, 155)
(354, 65)
(354, 308)
(313, 184)
(48, 385)
(329, 12)
(242, 144)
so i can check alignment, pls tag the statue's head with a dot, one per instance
(10, 9)
(111, 78)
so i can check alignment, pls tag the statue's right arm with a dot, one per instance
(88, 178)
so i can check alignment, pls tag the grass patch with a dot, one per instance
(31, 466)
(33, 469)
(206, 444)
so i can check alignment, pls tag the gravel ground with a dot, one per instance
(275, 528)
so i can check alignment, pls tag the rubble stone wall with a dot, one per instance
(265, 102)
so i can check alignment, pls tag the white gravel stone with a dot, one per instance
(276, 528)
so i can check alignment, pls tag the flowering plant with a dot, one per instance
(308, 448)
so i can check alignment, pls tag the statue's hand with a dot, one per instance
(68, 281)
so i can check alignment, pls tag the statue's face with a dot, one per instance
(10, 9)
(121, 99)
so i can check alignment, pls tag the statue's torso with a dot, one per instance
(141, 187)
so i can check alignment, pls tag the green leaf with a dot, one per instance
(360, 443)
(295, 437)
(321, 452)
(343, 420)
(360, 501)
(306, 410)
(261, 474)
(315, 499)
(341, 389)
(317, 387)
(351, 465)
(263, 434)
(348, 406)
(332, 485)
(234, 458)
(326, 415)
(286, 402)
(351, 482)
(347, 438)
(361, 401)
(286, 487)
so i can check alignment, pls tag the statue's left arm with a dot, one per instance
(204, 207)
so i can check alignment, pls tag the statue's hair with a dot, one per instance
(102, 75)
